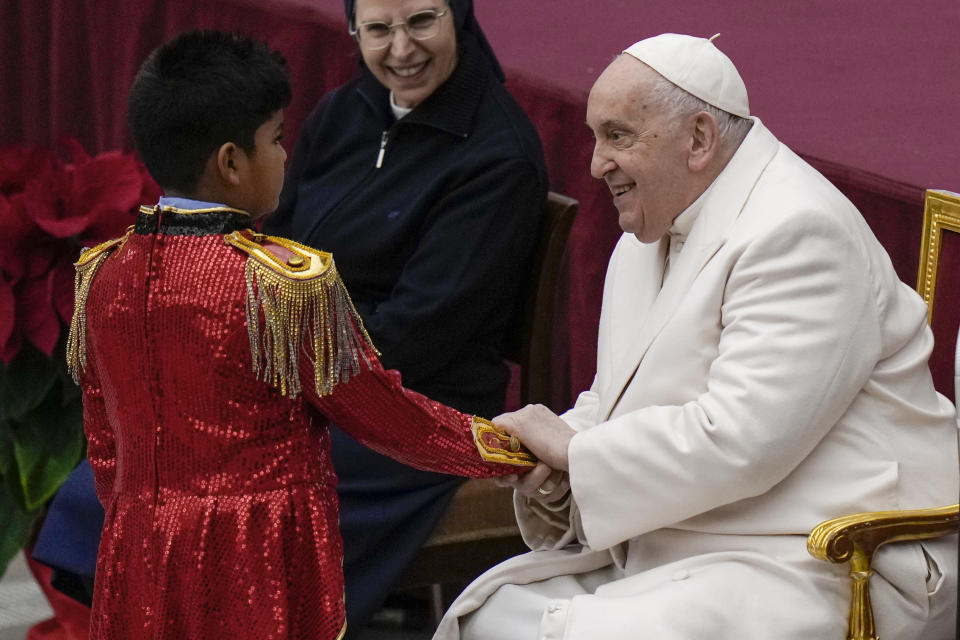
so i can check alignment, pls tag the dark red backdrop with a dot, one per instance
(865, 89)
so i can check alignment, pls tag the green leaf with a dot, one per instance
(25, 382)
(10, 477)
(7, 463)
(16, 527)
(47, 446)
(41, 440)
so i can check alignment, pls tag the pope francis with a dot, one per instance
(760, 369)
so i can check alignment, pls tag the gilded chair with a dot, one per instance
(854, 538)
(478, 529)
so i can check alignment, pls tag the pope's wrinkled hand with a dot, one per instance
(542, 431)
(542, 483)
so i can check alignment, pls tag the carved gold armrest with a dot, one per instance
(854, 538)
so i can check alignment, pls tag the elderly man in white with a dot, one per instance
(760, 369)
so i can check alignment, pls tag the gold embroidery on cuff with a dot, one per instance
(496, 445)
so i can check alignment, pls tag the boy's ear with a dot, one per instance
(230, 160)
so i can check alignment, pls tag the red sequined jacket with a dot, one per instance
(211, 359)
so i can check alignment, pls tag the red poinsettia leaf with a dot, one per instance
(47, 201)
(62, 288)
(109, 181)
(18, 164)
(39, 256)
(58, 227)
(11, 266)
(19, 234)
(116, 210)
(5, 216)
(8, 247)
(8, 307)
(16, 222)
(108, 226)
(35, 313)
(11, 164)
(73, 148)
(106, 189)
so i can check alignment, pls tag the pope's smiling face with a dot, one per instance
(639, 152)
(412, 69)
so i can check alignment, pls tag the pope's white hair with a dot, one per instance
(677, 103)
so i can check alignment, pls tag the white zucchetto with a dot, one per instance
(696, 66)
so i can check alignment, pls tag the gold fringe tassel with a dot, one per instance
(77, 338)
(315, 313)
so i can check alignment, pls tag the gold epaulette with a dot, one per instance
(86, 266)
(297, 295)
(496, 445)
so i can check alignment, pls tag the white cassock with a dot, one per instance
(777, 379)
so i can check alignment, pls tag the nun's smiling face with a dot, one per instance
(411, 68)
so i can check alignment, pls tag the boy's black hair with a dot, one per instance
(198, 91)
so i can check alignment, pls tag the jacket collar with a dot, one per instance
(190, 219)
(451, 108)
(720, 205)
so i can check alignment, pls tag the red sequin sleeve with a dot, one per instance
(101, 446)
(374, 407)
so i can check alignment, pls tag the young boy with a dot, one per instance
(211, 358)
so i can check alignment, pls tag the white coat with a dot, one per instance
(778, 379)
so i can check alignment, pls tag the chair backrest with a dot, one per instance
(534, 350)
(938, 281)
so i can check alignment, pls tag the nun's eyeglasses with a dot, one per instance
(421, 25)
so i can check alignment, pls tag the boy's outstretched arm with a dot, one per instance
(375, 408)
(307, 337)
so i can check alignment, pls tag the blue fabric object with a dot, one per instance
(70, 535)
(187, 203)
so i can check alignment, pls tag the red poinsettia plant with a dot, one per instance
(52, 203)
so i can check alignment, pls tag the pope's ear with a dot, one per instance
(230, 158)
(704, 141)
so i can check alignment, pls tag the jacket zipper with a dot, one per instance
(383, 148)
